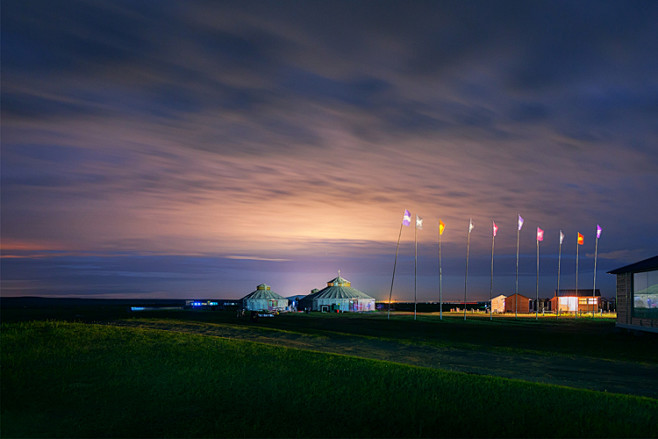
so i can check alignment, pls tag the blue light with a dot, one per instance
(137, 308)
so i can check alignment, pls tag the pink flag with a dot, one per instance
(598, 231)
(540, 234)
(495, 229)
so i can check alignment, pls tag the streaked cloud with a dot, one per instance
(286, 132)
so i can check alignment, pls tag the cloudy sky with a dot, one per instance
(196, 149)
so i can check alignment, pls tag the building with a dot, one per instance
(338, 296)
(637, 295)
(498, 304)
(577, 301)
(517, 303)
(263, 299)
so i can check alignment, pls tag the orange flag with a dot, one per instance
(581, 239)
(441, 227)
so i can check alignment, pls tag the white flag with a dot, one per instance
(561, 237)
(419, 222)
(470, 225)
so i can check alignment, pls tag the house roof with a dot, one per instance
(341, 293)
(338, 288)
(580, 292)
(645, 265)
(520, 295)
(263, 292)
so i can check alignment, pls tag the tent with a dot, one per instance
(338, 296)
(263, 299)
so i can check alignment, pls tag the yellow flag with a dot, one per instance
(441, 227)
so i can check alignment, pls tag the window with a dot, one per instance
(645, 294)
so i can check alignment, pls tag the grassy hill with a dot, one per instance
(88, 380)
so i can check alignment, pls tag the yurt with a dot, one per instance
(263, 299)
(338, 296)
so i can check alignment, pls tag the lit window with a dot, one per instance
(645, 294)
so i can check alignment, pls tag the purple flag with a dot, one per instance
(598, 231)
(520, 222)
(406, 219)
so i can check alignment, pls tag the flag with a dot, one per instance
(406, 219)
(561, 237)
(495, 229)
(470, 225)
(419, 222)
(581, 239)
(540, 234)
(520, 222)
(598, 231)
(441, 227)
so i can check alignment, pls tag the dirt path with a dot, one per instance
(580, 372)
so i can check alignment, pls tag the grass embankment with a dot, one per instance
(81, 380)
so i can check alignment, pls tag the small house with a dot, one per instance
(637, 295)
(577, 301)
(517, 303)
(498, 304)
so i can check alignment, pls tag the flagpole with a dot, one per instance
(537, 291)
(516, 289)
(557, 292)
(390, 294)
(577, 295)
(493, 240)
(468, 246)
(440, 278)
(415, 261)
(596, 251)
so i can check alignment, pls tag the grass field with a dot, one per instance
(87, 380)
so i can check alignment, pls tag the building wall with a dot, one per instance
(625, 305)
(522, 306)
(357, 305)
(264, 304)
(498, 304)
(624, 302)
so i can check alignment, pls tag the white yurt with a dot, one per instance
(338, 296)
(263, 299)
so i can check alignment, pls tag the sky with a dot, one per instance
(197, 149)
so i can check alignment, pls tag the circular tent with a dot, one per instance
(263, 299)
(338, 295)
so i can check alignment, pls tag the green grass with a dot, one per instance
(593, 337)
(82, 380)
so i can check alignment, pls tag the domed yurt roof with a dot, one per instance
(263, 292)
(340, 288)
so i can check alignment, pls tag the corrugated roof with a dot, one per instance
(645, 265)
(340, 293)
(263, 294)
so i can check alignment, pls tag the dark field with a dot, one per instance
(110, 373)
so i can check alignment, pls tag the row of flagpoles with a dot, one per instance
(406, 221)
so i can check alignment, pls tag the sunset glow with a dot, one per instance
(195, 150)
